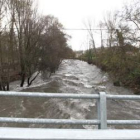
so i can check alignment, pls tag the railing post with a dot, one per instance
(102, 110)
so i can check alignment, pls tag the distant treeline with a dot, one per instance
(29, 42)
(119, 54)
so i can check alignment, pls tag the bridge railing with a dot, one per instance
(101, 98)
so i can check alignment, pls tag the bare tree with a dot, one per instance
(22, 11)
(29, 43)
(3, 79)
(89, 25)
(131, 15)
(110, 21)
(101, 25)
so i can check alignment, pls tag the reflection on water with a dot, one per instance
(73, 76)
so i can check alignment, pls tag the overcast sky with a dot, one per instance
(73, 13)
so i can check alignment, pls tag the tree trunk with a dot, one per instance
(22, 80)
(30, 82)
(8, 86)
(4, 89)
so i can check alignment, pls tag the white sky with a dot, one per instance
(73, 14)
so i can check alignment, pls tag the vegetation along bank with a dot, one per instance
(119, 54)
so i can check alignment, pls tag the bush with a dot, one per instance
(123, 67)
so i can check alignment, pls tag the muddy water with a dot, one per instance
(76, 77)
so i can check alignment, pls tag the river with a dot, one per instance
(73, 76)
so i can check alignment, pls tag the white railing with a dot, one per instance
(101, 98)
(101, 121)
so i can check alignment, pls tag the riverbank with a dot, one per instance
(122, 67)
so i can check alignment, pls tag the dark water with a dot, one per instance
(73, 76)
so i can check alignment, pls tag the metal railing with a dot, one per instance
(101, 98)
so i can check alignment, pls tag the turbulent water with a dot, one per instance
(73, 76)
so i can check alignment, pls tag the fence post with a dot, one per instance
(102, 111)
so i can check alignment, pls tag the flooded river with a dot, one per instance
(73, 76)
